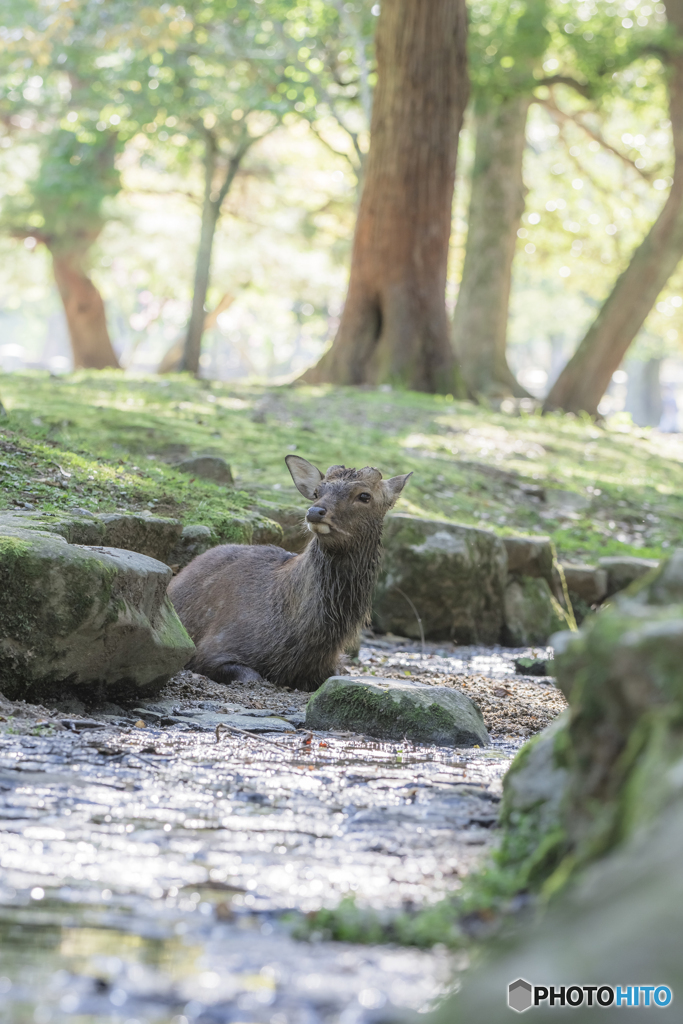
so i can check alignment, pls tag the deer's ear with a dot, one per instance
(304, 474)
(394, 486)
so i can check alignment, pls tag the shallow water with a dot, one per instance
(154, 875)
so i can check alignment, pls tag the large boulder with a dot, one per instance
(392, 709)
(149, 535)
(83, 616)
(532, 614)
(593, 815)
(453, 577)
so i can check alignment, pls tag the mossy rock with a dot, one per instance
(392, 709)
(83, 616)
(451, 576)
(531, 613)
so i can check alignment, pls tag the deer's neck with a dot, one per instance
(336, 586)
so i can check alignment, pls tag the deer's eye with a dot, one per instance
(365, 497)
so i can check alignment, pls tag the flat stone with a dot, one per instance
(530, 556)
(83, 616)
(392, 709)
(585, 581)
(208, 467)
(452, 576)
(150, 535)
(208, 720)
(623, 571)
(531, 614)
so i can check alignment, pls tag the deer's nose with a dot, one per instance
(316, 514)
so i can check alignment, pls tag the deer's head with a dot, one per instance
(347, 504)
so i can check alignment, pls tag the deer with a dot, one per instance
(258, 612)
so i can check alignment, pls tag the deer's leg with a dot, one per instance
(230, 672)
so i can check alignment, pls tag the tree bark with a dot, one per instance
(210, 215)
(85, 316)
(584, 379)
(496, 208)
(211, 211)
(394, 326)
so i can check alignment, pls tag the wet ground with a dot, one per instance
(152, 871)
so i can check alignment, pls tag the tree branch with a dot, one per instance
(573, 83)
(561, 115)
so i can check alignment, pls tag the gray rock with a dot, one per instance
(623, 571)
(531, 614)
(147, 534)
(393, 709)
(208, 467)
(530, 556)
(294, 534)
(194, 540)
(453, 575)
(535, 784)
(208, 720)
(86, 616)
(620, 925)
(586, 582)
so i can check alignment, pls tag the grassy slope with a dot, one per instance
(116, 434)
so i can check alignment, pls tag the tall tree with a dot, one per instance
(63, 205)
(394, 326)
(505, 53)
(507, 48)
(584, 379)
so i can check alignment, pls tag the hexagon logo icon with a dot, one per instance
(519, 995)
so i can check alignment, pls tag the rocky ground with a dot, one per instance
(156, 868)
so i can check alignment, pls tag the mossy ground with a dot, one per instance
(611, 489)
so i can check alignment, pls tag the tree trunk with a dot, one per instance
(84, 309)
(210, 215)
(496, 207)
(173, 358)
(586, 376)
(211, 212)
(394, 327)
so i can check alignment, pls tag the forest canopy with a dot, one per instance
(181, 186)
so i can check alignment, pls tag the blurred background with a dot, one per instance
(106, 110)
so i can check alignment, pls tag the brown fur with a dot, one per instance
(260, 611)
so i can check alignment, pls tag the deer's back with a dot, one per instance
(232, 583)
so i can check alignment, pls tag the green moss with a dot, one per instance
(381, 714)
(113, 434)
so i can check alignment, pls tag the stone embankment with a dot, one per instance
(79, 607)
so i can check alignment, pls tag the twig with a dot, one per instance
(567, 615)
(552, 107)
(223, 727)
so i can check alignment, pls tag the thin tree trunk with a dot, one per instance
(173, 357)
(496, 207)
(210, 215)
(586, 376)
(211, 211)
(394, 327)
(85, 315)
